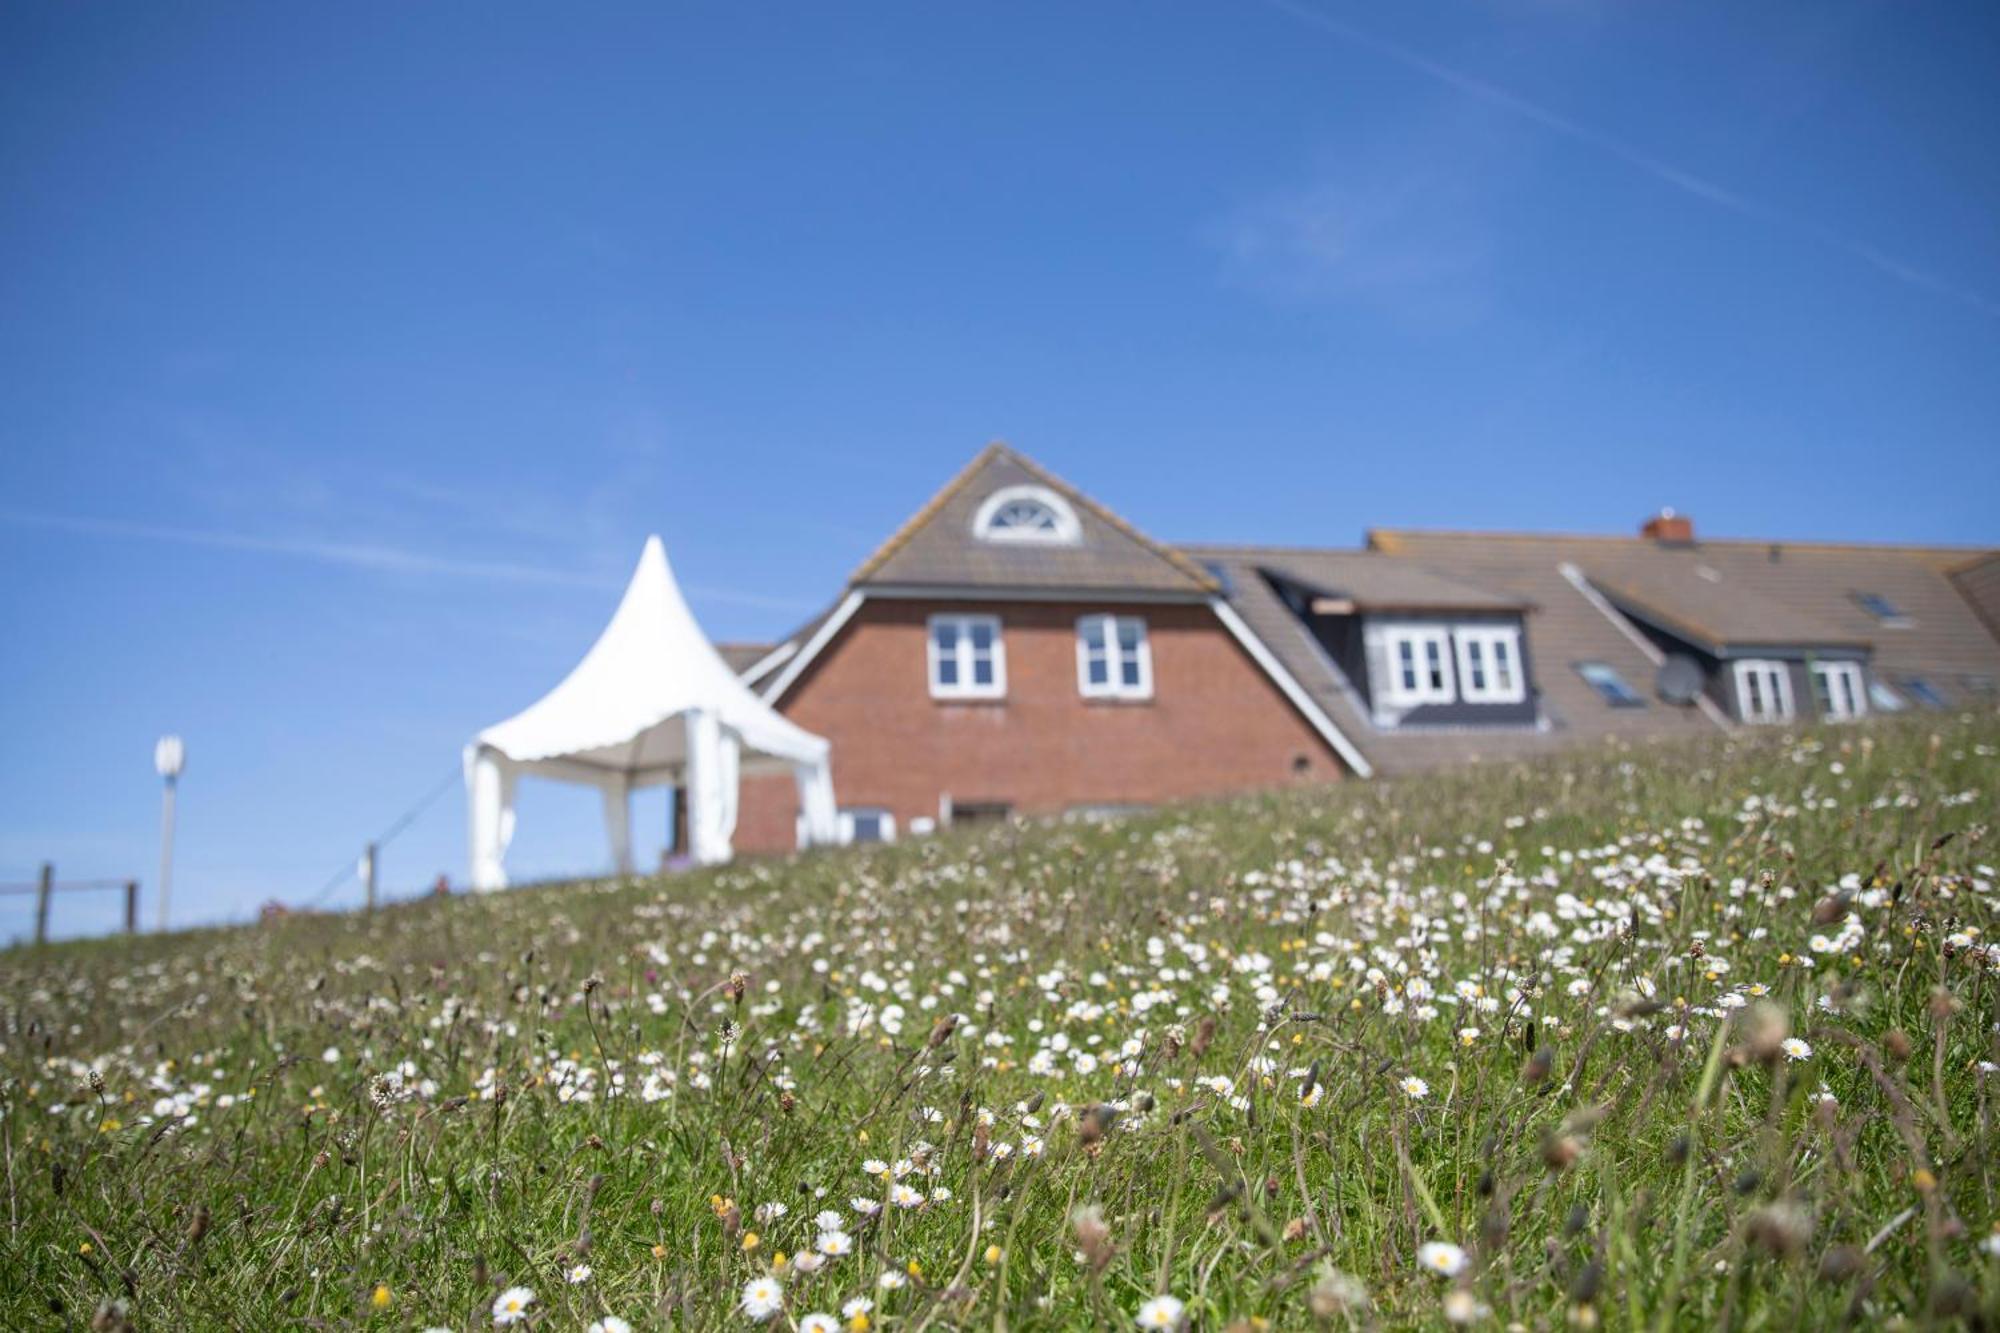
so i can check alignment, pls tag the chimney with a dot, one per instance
(1669, 528)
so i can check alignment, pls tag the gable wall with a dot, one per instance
(1215, 723)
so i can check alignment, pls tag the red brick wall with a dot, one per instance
(1215, 722)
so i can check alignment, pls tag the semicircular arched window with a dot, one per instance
(1027, 514)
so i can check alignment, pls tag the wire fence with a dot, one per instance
(47, 886)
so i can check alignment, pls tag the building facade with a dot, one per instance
(1017, 649)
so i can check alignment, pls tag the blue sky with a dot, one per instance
(348, 353)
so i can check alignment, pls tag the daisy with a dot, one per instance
(611, 1323)
(1441, 1257)
(905, 1197)
(761, 1298)
(834, 1244)
(512, 1306)
(1795, 1049)
(819, 1323)
(579, 1275)
(1161, 1312)
(1416, 1088)
(892, 1281)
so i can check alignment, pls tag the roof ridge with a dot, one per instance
(999, 449)
(926, 512)
(1383, 539)
(1201, 577)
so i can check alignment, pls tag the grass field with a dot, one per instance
(1661, 1038)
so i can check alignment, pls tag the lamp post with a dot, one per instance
(169, 758)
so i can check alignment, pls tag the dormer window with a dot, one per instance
(1033, 514)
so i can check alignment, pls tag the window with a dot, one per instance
(980, 812)
(1027, 514)
(1113, 658)
(967, 659)
(1839, 691)
(867, 825)
(1610, 685)
(1925, 693)
(1884, 610)
(1419, 666)
(1883, 699)
(1489, 665)
(1763, 691)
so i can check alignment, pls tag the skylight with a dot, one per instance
(1880, 607)
(1604, 678)
(1923, 692)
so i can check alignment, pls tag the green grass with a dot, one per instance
(199, 1133)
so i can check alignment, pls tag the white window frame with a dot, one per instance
(846, 822)
(1489, 639)
(1114, 685)
(1067, 531)
(1772, 672)
(962, 654)
(1419, 637)
(1834, 708)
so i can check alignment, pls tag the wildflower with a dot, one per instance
(578, 1275)
(1795, 1049)
(511, 1307)
(381, 1297)
(761, 1298)
(993, 1253)
(905, 1197)
(891, 1280)
(1462, 1307)
(819, 1323)
(1441, 1257)
(611, 1323)
(835, 1244)
(1336, 1293)
(1161, 1312)
(1416, 1088)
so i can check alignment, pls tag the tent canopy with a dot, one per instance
(651, 704)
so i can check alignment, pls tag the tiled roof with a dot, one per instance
(937, 548)
(1978, 580)
(1936, 634)
(1679, 591)
(1563, 628)
(1373, 582)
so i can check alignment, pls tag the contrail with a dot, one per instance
(373, 557)
(1688, 182)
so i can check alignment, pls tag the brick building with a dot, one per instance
(1016, 648)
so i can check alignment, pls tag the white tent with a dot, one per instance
(651, 704)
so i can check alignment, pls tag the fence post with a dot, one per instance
(131, 907)
(42, 894)
(368, 874)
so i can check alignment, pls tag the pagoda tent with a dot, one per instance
(651, 704)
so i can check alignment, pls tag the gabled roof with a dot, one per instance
(1695, 601)
(1936, 635)
(1979, 581)
(938, 549)
(1369, 582)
